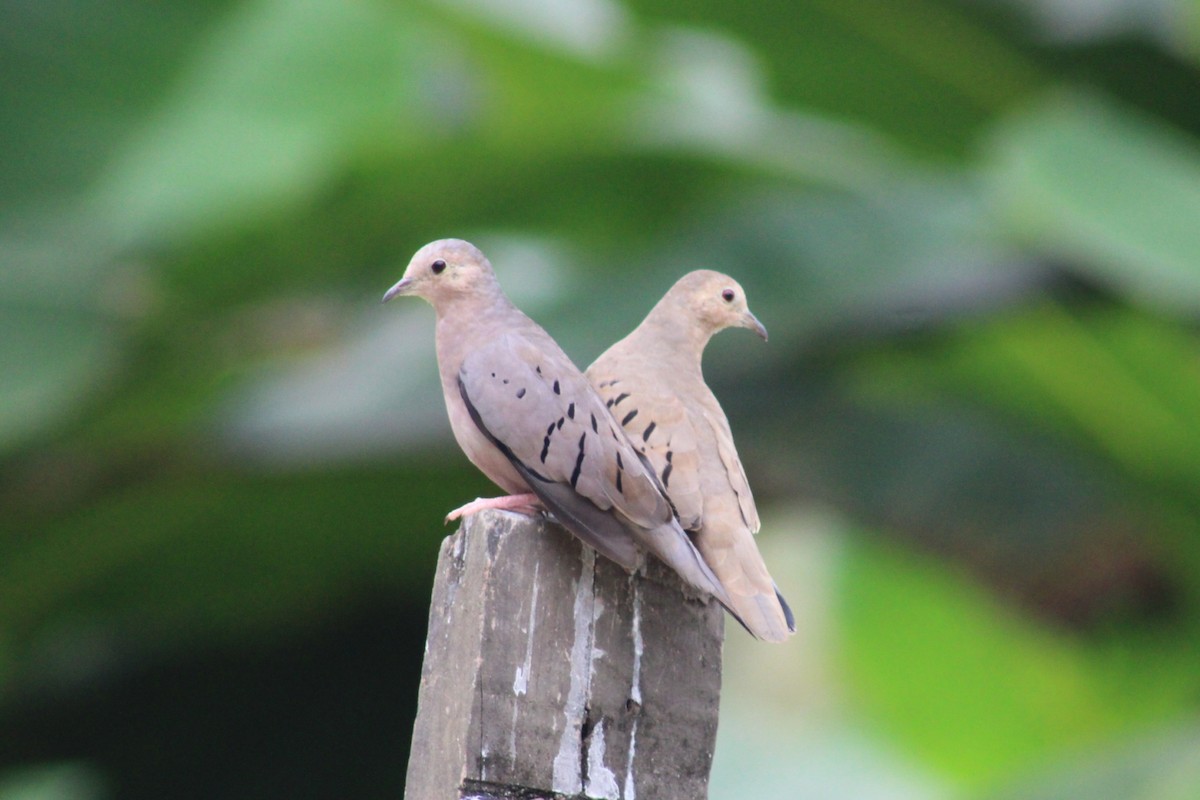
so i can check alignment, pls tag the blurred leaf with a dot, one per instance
(977, 691)
(1119, 380)
(1154, 765)
(81, 78)
(926, 74)
(188, 558)
(270, 109)
(61, 305)
(1114, 193)
(52, 362)
(65, 781)
(584, 29)
(764, 757)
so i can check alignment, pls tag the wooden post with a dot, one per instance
(552, 673)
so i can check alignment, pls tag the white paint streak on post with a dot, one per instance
(567, 779)
(601, 782)
(630, 787)
(639, 646)
(521, 680)
(597, 652)
(635, 688)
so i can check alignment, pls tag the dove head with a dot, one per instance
(715, 301)
(444, 271)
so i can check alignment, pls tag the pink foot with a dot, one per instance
(521, 503)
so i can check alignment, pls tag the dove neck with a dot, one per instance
(466, 321)
(671, 343)
(470, 309)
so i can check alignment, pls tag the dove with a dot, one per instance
(525, 415)
(652, 382)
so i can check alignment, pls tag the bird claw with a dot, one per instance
(521, 503)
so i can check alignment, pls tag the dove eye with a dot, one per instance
(438, 267)
(728, 295)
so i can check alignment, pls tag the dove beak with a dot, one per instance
(403, 286)
(750, 321)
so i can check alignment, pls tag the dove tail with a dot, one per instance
(766, 616)
(787, 610)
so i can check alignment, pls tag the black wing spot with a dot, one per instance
(620, 398)
(550, 430)
(629, 418)
(595, 428)
(571, 411)
(619, 489)
(578, 461)
(649, 430)
(520, 394)
(555, 387)
(670, 455)
(505, 381)
(666, 478)
(559, 423)
(620, 466)
(545, 447)
(539, 369)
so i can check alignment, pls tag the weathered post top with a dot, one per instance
(552, 673)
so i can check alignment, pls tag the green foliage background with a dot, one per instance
(971, 227)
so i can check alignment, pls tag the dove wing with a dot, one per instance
(541, 413)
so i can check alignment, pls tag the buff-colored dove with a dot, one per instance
(529, 420)
(652, 381)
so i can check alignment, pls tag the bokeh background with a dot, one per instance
(972, 227)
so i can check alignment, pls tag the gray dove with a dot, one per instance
(653, 383)
(529, 420)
